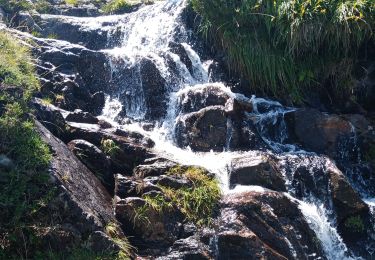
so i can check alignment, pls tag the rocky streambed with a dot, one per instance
(137, 109)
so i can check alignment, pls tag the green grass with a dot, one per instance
(16, 67)
(289, 47)
(355, 224)
(197, 203)
(109, 147)
(116, 6)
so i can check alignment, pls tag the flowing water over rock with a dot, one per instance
(159, 82)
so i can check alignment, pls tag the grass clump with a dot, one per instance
(109, 147)
(197, 203)
(118, 6)
(355, 224)
(288, 47)
(16, 67)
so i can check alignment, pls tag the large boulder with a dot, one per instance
(253, 225)
(319, 132)
(260, 170)
(204, 130)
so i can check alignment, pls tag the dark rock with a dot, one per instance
(156, 229)
(95, 160)
(81, 117)
(319, 132)
(104, 124)
(60, 237)
(101, 243)
(64, 29)
(50, 116)
(154, 90)
(203, 96)
(97, 102)
(95, 70)
(125, 186)
(154, 168)
(188, 249)
(204, 130)
(179, 49)
(261, 170)
(174, 182)
(266, 224)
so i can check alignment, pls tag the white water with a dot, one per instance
(148, 33)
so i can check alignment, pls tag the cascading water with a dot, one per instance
(152, 35)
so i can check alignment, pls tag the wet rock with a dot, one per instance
(173, 182)
(95, 70)
(260, 170)
(203, 96)
(133, 186)
(347, 202)
(179, 49)
(264, 224)
(156, 229)
(188, 248)
(25, 21)
(50, 116)
(154, 168)
(97, 102)
(67, 29)
(95, 160)
(81, 117)
(319, 132)
(104, 124)
(204, 130)
(154, 90)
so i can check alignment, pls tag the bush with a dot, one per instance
(288, 47)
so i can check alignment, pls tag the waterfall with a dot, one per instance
(155, 40)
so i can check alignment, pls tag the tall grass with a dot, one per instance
(289, 47)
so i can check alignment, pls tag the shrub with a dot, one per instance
(288, 47)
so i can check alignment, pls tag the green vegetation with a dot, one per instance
(197, 203)
(117, 6)
(112, 230)
(355, 224)
(24, 186)
(71, 2)
(109, 147)
(289, 47)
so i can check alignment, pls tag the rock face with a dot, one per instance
(255, 225)
(261, 170)
(154, 89)
(320, 132)
(83, 203)
(212, 119)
